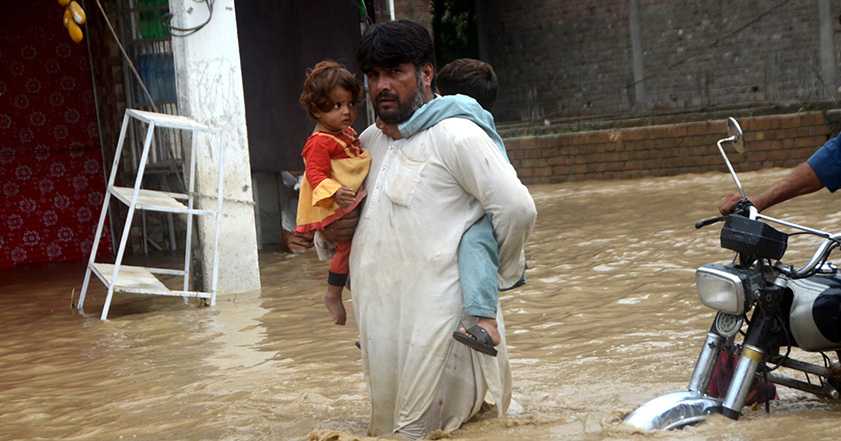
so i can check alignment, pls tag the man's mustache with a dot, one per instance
(386, 95)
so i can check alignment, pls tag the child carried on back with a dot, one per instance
(470, 88)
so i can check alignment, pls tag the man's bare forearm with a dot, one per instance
(803, 180)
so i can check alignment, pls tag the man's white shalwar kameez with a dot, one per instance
(424, 192)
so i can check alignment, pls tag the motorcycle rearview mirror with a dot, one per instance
(736, 135)
(738, 140)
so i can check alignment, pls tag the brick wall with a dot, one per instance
(666, 150)
(417, 10)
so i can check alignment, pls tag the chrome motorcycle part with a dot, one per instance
(701, 376)
(821, 254)
(813, 317)
(820, 233)
(727, 325)
(736, 135)
(828, 268)
(674, 411)
(800, 308)
(738, 140)
(720, 288)
(741, 382)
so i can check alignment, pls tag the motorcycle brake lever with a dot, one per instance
(704, 223)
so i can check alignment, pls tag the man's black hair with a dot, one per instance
(391, 43)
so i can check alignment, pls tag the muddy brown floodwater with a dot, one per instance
(608, 320)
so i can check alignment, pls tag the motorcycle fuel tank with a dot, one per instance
(815, 318)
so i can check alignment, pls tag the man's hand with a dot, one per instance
(726, 206)
(295, 243)
(342, 229)
(389, 130)
(344, 196)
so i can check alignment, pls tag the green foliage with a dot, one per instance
(454, 29)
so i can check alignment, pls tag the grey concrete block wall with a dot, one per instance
(560, 59)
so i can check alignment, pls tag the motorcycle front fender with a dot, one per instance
(675, 410)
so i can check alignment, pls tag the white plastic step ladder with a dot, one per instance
(138, 279)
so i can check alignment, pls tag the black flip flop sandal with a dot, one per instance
(477, 338)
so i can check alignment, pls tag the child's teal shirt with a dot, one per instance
(452, 106)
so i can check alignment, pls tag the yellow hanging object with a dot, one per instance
(63, 2)
(68, 16)
(75, 31)
(77, 11)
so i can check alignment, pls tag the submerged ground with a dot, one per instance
(608, 320)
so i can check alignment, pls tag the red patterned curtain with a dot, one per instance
(51, 175)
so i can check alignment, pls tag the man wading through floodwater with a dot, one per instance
(424, 192)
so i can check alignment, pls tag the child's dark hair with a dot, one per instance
(322, 80)
(469, 77)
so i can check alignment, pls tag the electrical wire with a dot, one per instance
(709, 46)
(363, 8)
(825, 236)
(826, 360)
(171, 163)
(765, 388)
(779, 318)
(128, 59)
(363, 5)
(835, 244)
(166, 20)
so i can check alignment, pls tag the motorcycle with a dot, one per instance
(789, 307)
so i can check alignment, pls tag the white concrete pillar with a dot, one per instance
(209, 82)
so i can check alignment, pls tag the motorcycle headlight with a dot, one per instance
(722, 288)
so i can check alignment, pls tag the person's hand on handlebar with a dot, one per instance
(726, 206)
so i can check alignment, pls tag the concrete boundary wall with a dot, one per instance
(560, 59)
(666, 150)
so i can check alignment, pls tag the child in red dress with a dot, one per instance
(335, 166)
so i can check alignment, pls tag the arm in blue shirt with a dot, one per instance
(826, 163)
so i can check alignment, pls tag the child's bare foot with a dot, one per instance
(333, 302)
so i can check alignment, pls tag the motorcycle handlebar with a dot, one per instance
(704, 223)
(743, 208)
(820, 256)
(830, 242)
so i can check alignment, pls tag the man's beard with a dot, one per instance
(405, 109)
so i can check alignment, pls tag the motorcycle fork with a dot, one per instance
(748, 364)
(701, 376)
